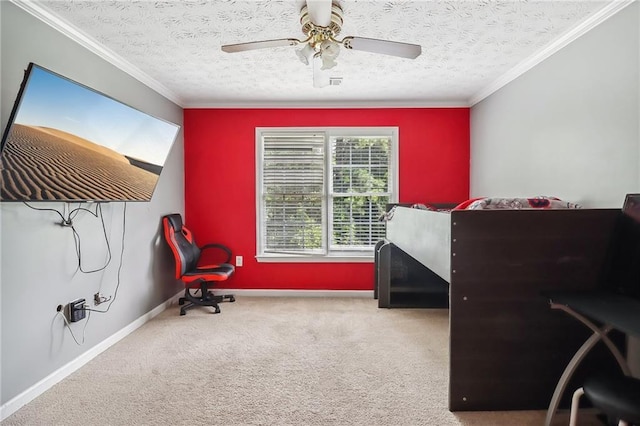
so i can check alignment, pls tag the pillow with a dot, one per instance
(463, 205)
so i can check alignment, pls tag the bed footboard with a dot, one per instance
(507, 348)
(425, 235)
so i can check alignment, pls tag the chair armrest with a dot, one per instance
(222, 247)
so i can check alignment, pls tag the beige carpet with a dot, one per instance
(270, 361)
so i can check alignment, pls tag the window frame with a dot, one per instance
(349, 255)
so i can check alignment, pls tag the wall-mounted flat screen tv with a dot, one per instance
(67, 142)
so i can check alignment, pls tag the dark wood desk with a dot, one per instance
(601, 312)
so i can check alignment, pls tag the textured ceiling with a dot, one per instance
(466, 47)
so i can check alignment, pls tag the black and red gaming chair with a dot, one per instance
(197, 275)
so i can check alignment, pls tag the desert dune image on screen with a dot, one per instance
(68, 142)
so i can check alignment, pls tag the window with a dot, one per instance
(321, 192)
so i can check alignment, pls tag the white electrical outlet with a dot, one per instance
(238, 260)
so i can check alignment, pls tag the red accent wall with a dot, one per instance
(220, 180)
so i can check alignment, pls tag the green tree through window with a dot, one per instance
(360, 169)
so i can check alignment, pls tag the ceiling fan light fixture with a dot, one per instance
(330, 49)
(328, 63)
(305, 54)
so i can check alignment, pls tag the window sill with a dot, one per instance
(280, 258)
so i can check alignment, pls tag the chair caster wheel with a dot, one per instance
(181, 301)
(217, 311)
(182, 312)
(232, 299)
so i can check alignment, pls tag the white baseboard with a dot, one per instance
(296, 293)
(45, 384)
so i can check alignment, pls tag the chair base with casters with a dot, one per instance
(618, 397)
(198, 271)
(205, 298)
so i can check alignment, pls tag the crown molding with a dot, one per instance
(587, 25)
(328, 104)
(92, 45)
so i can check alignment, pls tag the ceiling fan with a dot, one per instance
(321, 22)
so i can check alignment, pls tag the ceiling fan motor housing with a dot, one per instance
(317, 34)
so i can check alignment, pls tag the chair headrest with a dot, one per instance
(175, 220)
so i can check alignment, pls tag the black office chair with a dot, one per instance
(198, 277)
(618, 397)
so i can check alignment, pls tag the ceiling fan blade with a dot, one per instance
(319, 12)
(254, 45)
(320, 76)
(386, 47)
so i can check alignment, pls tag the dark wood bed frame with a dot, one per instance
(507, 347)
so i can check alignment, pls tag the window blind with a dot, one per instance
(360, 190)
(293, 192)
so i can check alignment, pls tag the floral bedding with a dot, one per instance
(520, 203)
(483, 203)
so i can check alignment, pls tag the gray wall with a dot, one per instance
(569, 127)
(38, 267)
